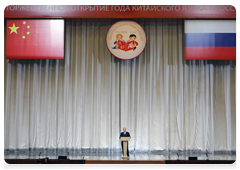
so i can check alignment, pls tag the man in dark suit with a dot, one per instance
(125, 134)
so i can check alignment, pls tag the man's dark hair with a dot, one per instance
(132, 35)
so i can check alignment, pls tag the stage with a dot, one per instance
(78, 154)
(109, 72)
(86, 158)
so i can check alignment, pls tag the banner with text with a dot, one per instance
(120, 11)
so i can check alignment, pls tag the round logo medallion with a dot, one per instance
(126, 40)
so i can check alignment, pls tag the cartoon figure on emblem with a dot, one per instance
(133, 44)
(118, 37)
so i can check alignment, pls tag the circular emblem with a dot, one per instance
(126, 40)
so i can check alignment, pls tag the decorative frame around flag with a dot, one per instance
(210, 39)
(35, 39)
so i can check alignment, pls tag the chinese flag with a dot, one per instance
(35, 39)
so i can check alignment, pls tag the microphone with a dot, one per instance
(178, 153)
(68, 155)
(39, 154)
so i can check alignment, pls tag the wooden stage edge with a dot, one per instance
(129, 164)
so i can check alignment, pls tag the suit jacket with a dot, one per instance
(122, 135)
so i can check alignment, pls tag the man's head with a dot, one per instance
(132, 37)
(124, 129)
(46, 160)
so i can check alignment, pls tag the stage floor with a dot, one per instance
(76, 155)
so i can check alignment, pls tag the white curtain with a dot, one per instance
(85, 100)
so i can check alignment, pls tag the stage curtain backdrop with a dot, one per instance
(85, 100)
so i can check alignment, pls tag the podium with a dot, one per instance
(125, 143)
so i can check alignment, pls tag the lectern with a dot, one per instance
(125, 142)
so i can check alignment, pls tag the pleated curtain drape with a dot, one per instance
(85, 100)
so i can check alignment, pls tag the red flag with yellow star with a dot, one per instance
(35, 39)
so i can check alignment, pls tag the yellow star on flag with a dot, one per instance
(28, 33)
(13, 29)
(24, 22)
(23, 37)
(28, 26)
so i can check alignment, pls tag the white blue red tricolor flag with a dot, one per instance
(210, 39)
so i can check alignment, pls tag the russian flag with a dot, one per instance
(210, 39)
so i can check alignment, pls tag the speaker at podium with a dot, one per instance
(125, 143)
